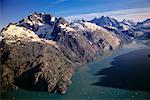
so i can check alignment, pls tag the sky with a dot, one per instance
(15, 10)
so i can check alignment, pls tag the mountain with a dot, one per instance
(42, 24)
(106, 22)
(127, 25)
(123, 31)
(40, 52)
(126, 29)
(136, 30)
(97, 35)
(144, 25)
(80, 47)
(143, 29)
(32, 63)
(128, 22)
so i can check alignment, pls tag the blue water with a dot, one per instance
(124, 74)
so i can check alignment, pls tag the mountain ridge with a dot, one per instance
(127, 27)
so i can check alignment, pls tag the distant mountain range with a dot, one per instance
(41, 52)
(126, 27)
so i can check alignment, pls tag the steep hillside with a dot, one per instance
(32, 63)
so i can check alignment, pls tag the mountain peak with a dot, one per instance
(145, 24)
(105, 21)
(38, 18)
(105, 17)
(128, 22)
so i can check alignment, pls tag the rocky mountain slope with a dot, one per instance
(32, 63)
(40, 52)
(97, 35)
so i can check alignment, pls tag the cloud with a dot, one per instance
(57, 2)
(138, 14)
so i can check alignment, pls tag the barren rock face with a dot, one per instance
(31, 63)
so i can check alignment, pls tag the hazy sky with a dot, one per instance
(15, 10)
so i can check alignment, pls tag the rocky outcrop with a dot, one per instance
(32, 63)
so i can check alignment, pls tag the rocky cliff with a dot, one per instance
(32, 63)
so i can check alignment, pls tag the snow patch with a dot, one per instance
(93, 27)
(125, 27)
(14, 33)
(66, 28)
(53, 19)
(33, 22)
(78, 26)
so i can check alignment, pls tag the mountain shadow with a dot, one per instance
(27, 80)
(129, 71)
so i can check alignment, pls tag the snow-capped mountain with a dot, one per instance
(122, 29)
(106, 22)
(127, 25)
(35, 20)
(136, 30)
(144, 25)
(142, 29)
(96, 34)
(126, 29)
(42, 24)
(128, 22)
(45, 25)
(77, 44)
